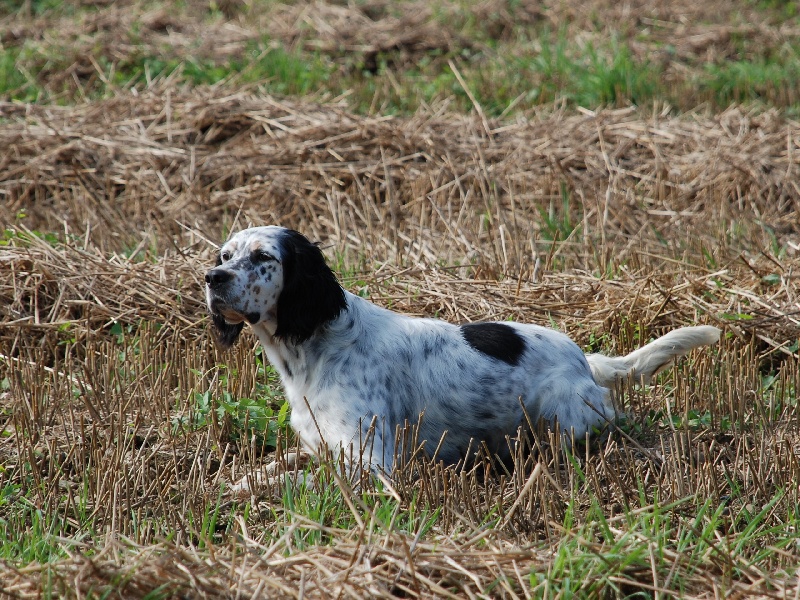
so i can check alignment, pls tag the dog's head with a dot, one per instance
(273, 276)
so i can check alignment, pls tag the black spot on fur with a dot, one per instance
(225, 334)
(485, 415)
(311, 296)
(287, 369)
(497, 340)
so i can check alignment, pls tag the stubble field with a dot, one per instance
(437, 186)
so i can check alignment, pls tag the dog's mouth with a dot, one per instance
(232, 316)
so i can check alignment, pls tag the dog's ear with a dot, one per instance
(225, 334)
(311, 296)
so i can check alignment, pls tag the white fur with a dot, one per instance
(643, 364)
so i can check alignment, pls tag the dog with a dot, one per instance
(354, 372)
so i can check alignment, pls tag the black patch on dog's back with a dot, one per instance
(497, 340)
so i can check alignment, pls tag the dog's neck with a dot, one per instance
(294, 360)
(265, 329)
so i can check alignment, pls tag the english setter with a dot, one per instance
(352, 370)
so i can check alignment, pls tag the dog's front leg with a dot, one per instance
(291, 465)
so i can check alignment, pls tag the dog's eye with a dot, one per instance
(225, 256)
(262, 256)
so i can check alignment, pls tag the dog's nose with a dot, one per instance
(217, 277)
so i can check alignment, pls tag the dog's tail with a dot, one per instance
(644, 363)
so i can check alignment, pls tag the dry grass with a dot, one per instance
(680, 215)
(639, 223)
(613, 226)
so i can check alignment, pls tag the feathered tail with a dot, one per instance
(644, 363)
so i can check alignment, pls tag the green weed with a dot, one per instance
(265, 416)
(770, 82)
(14, 82)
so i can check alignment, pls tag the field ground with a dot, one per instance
(633, 169)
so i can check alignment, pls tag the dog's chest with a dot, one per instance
(317, 415)
(304, 424)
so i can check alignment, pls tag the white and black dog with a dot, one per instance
(347, 365)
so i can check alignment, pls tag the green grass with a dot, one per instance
(278, 71)
(770, 83)
(32, 531)
(34, 7)
(539, 67)
(15, 84)
(317, 514)
(672, 543)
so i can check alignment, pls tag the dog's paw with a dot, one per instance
(276, 473)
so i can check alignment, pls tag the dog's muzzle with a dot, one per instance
(217, 280)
